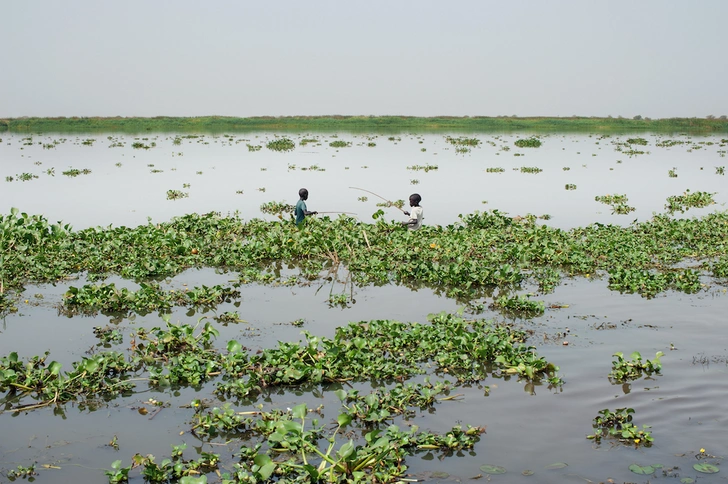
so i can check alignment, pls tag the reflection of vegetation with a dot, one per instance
(531, 169)
(73, 172)
(424, 168)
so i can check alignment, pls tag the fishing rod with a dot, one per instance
(391, 204)
(346, 213)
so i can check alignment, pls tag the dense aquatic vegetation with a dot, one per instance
(467, 260)
(365, 443)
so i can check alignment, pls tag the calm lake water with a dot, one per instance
(528, 427)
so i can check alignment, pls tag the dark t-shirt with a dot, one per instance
(300, 211)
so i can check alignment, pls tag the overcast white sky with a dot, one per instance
(656, 58)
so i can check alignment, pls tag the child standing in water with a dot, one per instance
(301, 209)
(415, 216)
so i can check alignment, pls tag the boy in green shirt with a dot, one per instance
(301, 211)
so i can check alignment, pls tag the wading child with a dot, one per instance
(415, 216)
(301, 210)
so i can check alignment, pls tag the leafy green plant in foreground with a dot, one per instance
(182, 354)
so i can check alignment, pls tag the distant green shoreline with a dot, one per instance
(360, 124)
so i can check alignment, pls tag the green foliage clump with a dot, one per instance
(281, 144)
(520, 304)
(463, 141)
(424, 168)
(531, 169)
(618, 425)
(688, 200)
(340, 144)
(637, 141)
(626, 370)
(617, 202)
(277, 208)
(528, 143)
(176, 194)
(74, 172)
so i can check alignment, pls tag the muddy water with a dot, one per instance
(528, 427)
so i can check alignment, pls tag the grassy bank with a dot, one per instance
(360, 124)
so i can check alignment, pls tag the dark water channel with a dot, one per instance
(529, 427)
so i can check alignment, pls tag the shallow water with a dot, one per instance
(528, 427)
(216, 167)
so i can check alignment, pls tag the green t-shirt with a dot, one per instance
(300, 212)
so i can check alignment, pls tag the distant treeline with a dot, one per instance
(389, 124)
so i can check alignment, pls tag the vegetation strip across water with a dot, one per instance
(468, 259)
(363, 124)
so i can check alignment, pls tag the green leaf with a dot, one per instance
(54, 368)
(687, 480)
(193, 480)
(90, 366)
(267, 466)
(641, 470)
(341, 394)
(312, 471)
(233, 346)
(493, 470)
(299, 411)
(556, 465)
(706, 468)
(344, 419)
(345, 450)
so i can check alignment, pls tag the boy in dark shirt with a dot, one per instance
(301, 211)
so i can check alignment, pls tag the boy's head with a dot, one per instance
(303, 193)
(415, 199)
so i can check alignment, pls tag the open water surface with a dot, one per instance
(528, 426)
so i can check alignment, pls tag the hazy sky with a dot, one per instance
(656, 58)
